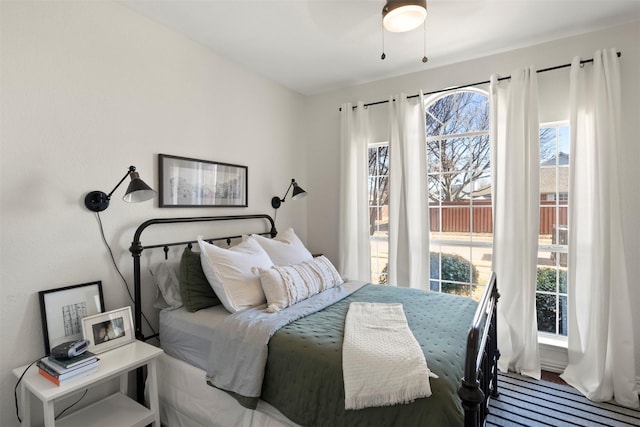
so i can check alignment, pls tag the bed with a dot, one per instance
(303, 384)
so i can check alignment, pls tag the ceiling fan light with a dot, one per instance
(405, 17)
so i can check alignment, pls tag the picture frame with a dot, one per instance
(186, 182)
(62, 310)
(108, 330)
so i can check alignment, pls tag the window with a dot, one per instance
(551, 291)
(458, 169)
(379, 210)
(459, 180)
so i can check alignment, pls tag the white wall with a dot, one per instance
(324, 131)
(89, 88)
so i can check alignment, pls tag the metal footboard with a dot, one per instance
(480, 381)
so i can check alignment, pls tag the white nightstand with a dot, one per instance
(115, 410)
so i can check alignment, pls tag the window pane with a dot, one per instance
(457, 113)
(466, 190)
(546, 311)
(562, 326)
(435, 187)
(548, 183)
(551, 289)
(434, 223)
(547, 221)
(562, 281)
(482, 221)
(547, 281)
(379, 254)
(433, 156)
(482, 272)
(481, 153)
(373, 161)
(548, 146)
(450, 185)
(373, 219)
(456, 288)
(563, 140)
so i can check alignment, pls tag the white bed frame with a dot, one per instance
(186, 400)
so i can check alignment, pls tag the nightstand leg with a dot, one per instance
(25, 404)
(152, 391)
(49, 417)
(124, 383)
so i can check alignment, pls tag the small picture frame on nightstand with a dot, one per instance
(108, 330)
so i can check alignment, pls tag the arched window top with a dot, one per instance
(461, 112)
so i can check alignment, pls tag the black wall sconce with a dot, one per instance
(138, 191)
(298, 193)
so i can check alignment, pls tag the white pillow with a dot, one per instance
(284, 249)
(167, 285)
(286, 285)
(233, 273)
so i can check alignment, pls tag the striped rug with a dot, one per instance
(527, 402)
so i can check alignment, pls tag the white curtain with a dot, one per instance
(408, 203)
(601, 347)
(353, 242)
(516, 198)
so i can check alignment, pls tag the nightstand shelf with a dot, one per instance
(115, 410)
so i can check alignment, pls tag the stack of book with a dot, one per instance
(59, 371)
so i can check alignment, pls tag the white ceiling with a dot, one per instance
(313, 46)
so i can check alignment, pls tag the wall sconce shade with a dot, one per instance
(297, 193)
(403, 15)
(137, 191)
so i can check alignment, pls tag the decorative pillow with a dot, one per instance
(233, 273)
(167, 285)
(286, 285)
(195, 289)
(284, 249)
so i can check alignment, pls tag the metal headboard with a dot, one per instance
(137, 248)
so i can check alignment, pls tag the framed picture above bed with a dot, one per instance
(186, 182)
(62, 311)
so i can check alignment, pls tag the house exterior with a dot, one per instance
(548, 178)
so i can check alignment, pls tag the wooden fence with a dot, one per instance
(457, 217)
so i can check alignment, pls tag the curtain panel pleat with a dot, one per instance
(516, 197)
(354, 253)
(601, 345)
(408, 205)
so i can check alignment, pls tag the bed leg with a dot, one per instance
(494, 345)
(494, 380)
(472, 397)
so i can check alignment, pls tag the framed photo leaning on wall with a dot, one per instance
(108, 330)
(188, 182)
(62, 310)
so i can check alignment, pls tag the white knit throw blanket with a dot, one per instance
(382, 362)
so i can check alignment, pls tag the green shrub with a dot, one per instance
(546, 303)
(455, 268)
(546, 279)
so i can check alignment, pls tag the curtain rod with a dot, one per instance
(544, 70)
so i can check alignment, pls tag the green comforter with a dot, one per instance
(303, 378)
